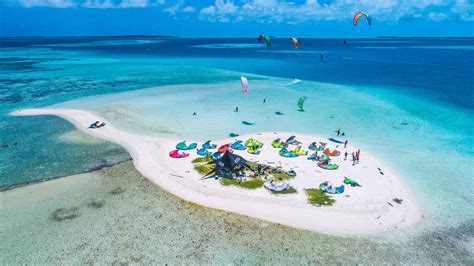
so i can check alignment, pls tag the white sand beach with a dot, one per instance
(358, 211)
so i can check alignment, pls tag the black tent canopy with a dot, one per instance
(227, 165)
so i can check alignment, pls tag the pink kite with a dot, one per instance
(245, 84)
(177, 155)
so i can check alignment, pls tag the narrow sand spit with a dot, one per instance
(358, 211)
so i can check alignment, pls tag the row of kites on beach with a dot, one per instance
(245, 89)
(295, 41)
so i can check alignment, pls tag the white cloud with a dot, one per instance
(189, 9)
(208, 10)
(288, 11)
(267, 11)
(177, 7)
(98, 4)
(46, 3)
(101, 4)
(222, 11)
(134, 3)
(437, 16)
(174, 8)
(465, 9)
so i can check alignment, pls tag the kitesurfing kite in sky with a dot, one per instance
(360, 14)
(267, 40)
(245, 84)
(301, 103)
(294, 41)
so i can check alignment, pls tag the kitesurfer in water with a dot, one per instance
(264, 100)
(321, 56)
(236, 109)
(194, 113)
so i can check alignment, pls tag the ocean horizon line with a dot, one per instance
(226, 37)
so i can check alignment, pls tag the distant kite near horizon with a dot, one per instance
(360, 14)
(267, 40)
(245, 84)
(295, 42)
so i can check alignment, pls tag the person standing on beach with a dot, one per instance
(345, 156)
(353, 159)
(345, 144)
(358, 155)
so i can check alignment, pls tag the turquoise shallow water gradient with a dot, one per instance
(412, 107)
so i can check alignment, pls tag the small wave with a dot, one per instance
(294, 81)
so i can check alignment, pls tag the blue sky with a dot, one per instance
(239, 18)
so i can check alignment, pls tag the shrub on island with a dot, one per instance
(318, 197)
(253, 183)
(290, 190)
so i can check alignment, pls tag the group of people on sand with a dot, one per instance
(355, 156)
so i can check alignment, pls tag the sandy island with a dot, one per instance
(358, 211)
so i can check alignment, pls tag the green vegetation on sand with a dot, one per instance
(290, 190)
(283, 175)
(253, 164)
(318, 197)
(250, 184)
(202, 160)
(201, 165)
(203, 169)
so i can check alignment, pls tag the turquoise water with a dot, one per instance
(411, 106)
